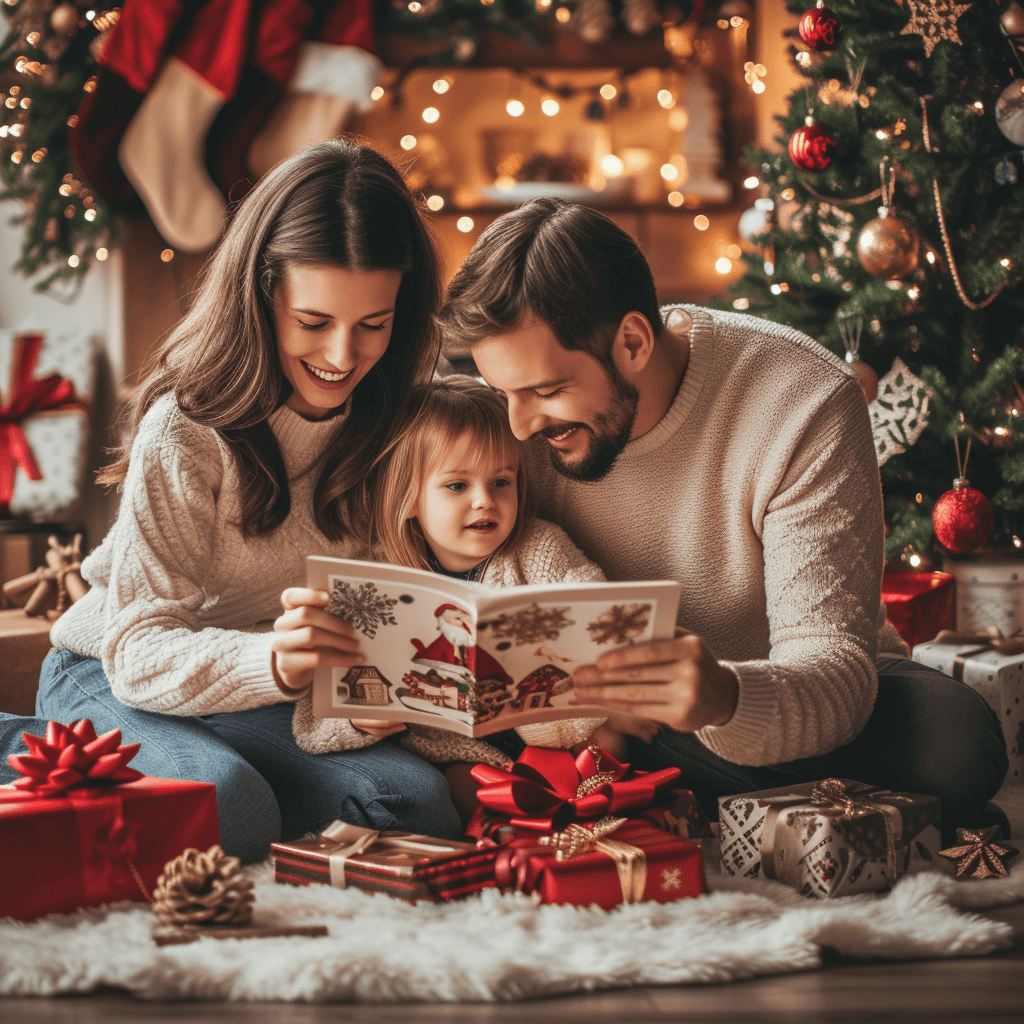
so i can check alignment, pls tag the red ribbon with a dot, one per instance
(541, 791)
(28, 395)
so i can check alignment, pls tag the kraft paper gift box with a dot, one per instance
(989, 595)
(401, 864)
(616, 861)
(830, 838)
(46, 383)
(994, 667)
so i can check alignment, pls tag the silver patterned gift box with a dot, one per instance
(989, 595)
(994, 667)
(829, 838)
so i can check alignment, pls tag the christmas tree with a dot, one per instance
(891, 229)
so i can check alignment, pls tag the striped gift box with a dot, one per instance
(401, 864)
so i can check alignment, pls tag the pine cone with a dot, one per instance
(203, 888)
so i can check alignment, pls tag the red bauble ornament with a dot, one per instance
(819, 28)
(810, 148)
(963, 518)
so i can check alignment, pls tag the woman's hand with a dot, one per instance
(309, 637)
(678, 682)
(378, 728)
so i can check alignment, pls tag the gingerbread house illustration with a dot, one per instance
(537, 689)
(364, 684)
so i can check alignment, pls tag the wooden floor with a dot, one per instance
(937, 992)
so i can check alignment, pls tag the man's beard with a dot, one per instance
(607, 438)
(457, 635)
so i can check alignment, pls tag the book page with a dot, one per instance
(473, 659)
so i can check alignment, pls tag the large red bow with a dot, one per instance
(70, 757)
(546, 789)
(27, 395)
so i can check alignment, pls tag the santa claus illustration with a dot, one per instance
(456, 646)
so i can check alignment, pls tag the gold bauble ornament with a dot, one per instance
(867, 377)
(1012, 20)
(64, 19)
(887, 246)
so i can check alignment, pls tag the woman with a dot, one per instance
(249, 447)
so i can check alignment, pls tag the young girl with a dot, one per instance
(452, 498)
(250, 445)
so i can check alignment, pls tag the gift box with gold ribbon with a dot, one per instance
(546, 790)
(606, 863)
(402, 864)
(994, 666)
(80, 827)
(829, 838)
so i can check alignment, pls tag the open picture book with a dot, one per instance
(471, 658)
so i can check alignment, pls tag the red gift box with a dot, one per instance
(918, 604)
(631, 863)
(81, 828)
(59, 854)
(400, 864)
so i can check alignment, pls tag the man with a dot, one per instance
(735, 456)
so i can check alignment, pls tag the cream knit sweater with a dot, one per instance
(759, 492)
(181, 602)
(546, 555)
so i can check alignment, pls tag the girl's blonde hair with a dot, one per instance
(439, 414)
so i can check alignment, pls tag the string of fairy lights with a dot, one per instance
(600, 99)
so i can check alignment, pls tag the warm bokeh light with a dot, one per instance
(611, 165)
(723, 265)
(377, 93)
(752, 182)
(73, 261)
(675, 199)
(101, 254)
(678, 119)
(608, 91)
(666, 99)
(669, 172)
(431, 114)
(167, 255)
(408, 142)
(550, 107)
(435, 203)
(90, 215)
(441, 86)
(515, 108)
(563, 14)
(464, 224)
(701, 223)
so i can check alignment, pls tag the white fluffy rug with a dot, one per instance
(492, 947)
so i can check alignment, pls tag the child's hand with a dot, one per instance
(378, 728)
(309, 637)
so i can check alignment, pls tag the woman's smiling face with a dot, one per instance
(332, 325)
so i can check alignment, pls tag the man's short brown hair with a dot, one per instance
(568, 266)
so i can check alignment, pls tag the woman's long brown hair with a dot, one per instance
(337, 203)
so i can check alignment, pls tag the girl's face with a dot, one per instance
(466, 505)
(332, 325)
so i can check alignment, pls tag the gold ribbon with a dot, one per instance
(834, 799)
(352, 840)
(989, 640)
(630, 861)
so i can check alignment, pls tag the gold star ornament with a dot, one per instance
(934, 20)
(980, 856)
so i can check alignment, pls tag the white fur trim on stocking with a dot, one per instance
(163, 154)
(328, 85)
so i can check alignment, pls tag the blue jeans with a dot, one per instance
(266, 786)
(928, 733)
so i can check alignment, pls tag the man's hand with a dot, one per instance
(678, 682)
(309, 637)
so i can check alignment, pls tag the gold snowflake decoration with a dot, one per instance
(670, 879)
(934, 20)
(980, 856)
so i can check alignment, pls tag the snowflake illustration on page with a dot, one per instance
(529, 625)
(362, 607)
(900, 412)
(620, 624)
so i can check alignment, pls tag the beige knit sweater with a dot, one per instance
(181, 602)
(546, 555)
(759, 492)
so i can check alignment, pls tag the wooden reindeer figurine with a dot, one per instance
(57, 584)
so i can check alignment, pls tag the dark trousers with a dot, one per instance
(928, 733)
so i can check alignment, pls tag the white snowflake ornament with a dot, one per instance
(900, 412)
